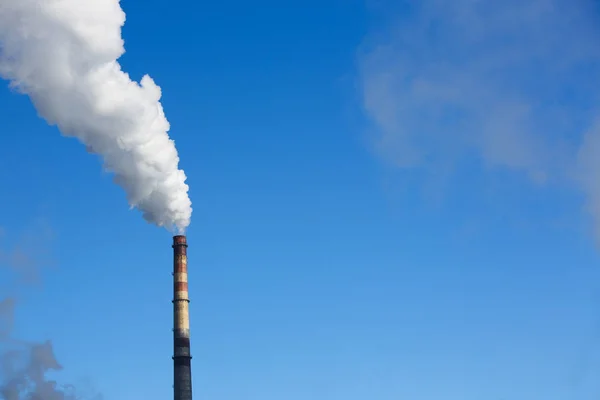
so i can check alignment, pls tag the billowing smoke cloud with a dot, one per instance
(63, 54)
(514, 83)
(24, 366)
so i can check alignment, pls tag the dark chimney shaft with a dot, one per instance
(182, 383)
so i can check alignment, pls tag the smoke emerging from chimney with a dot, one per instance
(63, 55)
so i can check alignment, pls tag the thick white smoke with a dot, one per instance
(63, 54)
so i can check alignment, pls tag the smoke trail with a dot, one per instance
(63, 54)
(26, 375)
(24, 366)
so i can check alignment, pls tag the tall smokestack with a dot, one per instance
(182, 358)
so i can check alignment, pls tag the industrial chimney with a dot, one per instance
(182, 383)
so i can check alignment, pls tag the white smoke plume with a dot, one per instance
(63, 54)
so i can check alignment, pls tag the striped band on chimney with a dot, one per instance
(182, 382)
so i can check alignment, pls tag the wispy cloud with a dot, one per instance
(31, 254)
(24, 365)
(512, 82)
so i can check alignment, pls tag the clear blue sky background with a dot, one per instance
(317, 270)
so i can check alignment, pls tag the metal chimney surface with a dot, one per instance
(182, 383)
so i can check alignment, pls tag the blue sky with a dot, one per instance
(378, 212)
